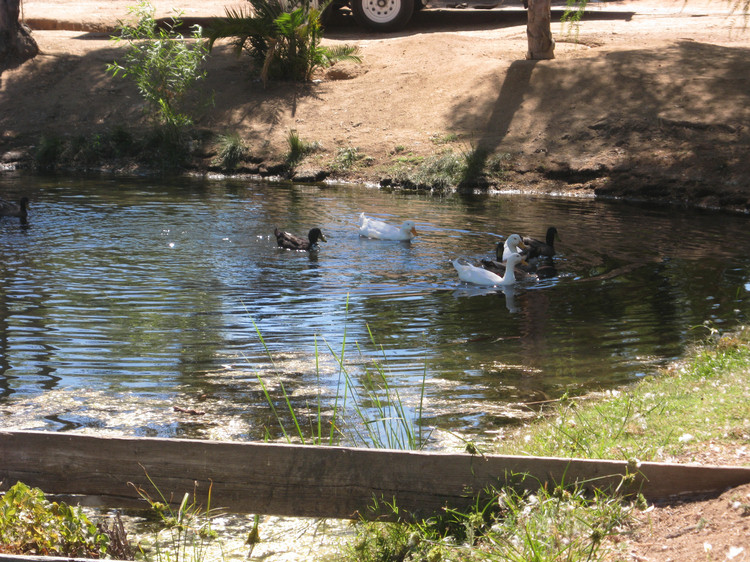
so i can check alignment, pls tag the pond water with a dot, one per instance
(125, 298)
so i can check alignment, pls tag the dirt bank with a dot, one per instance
(648, 103)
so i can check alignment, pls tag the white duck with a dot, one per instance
(513, 245)
(480, 276)
(372, 228)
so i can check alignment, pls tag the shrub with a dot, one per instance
(48, 152)
(282, 37)
(29, 524)
(163, 64)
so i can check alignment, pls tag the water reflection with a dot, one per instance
(145, 291)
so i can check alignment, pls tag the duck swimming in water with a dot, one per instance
(8, 209)
(513, 245)
(542, 268)
(481, 276)
(289, 241)
(538, 248)
(372, 228)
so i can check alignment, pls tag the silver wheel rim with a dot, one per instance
(381, 11)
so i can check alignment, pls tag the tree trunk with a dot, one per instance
(538, 30)
(16, 43)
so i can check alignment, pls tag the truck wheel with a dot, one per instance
(382, 15)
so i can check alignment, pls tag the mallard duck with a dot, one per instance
(538, 248)
(372, 228)
(289, 241)
(513, 245)
(541, 268)
(480, 276)
(8, 209)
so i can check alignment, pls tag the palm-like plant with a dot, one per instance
(282, 37)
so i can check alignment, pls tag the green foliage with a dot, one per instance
(48, 152)
(29, 524)
(347, 157)
(185, 533)
(370, 413)
(84, 151)
(450, 169)
(164, 65)
(561, 523)
(282, 37)
(231, 150)
(497, 165)
(447, 138)
(441, 171)
(167, 147)
(656, 418)
(164, 147)
(298, 148)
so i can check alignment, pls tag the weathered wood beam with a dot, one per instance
(311, 481)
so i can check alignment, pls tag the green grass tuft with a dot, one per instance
(702, 399)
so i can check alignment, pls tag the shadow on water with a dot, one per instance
(137, 305)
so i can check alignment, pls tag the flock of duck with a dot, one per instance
(516, 257)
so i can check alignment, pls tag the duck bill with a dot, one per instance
(522, 245)
(322, 237)
(413, 231)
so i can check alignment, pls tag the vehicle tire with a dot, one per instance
(382, 15)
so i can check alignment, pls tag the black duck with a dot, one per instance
(290, 241)
(537, 248)
(9, 209)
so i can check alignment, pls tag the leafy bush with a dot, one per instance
(163, 64)
(48, 152)
(282, 37)
(29, 524)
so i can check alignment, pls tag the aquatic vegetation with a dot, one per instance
(551, 524)
(572, 523)
(184, 533)
(366, 410)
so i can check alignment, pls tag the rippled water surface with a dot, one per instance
(123, 299)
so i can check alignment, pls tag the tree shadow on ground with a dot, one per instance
(620, 104)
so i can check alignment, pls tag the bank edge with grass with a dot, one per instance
(701, 399)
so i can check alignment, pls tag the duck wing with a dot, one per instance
(494, 266)
(538, 248)
(372, 228)
(476, 275)
(290, 241)
(8, 209)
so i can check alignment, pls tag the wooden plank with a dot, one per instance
(309, 481)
